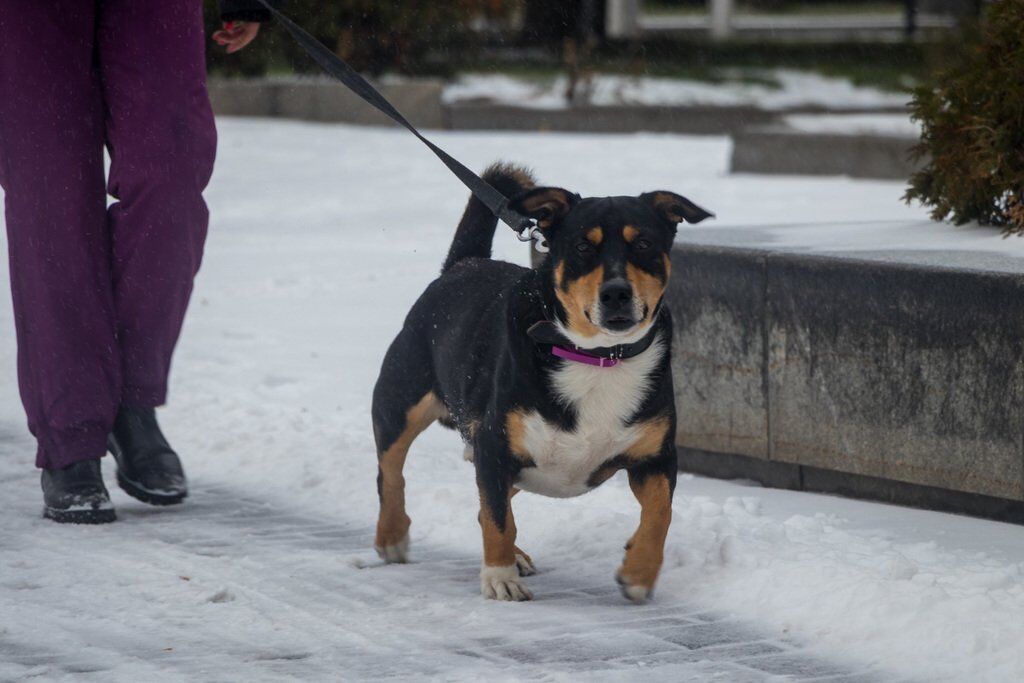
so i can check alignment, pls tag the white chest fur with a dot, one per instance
(604, 399)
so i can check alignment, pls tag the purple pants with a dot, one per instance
(100, 292)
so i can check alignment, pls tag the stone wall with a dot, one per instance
(322, 99)
(767, 149)
(880, 379)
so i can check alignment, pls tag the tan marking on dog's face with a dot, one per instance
(578, 297)
(646, 549)
(629, 233)
(393, 523)
(647, 286)
(595, 236)
(650, 439)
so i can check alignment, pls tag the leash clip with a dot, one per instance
(533, 234)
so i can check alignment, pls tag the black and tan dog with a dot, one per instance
(556, 378)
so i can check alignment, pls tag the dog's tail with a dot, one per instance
(475, 233)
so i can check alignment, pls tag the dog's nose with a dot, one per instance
(615, 295)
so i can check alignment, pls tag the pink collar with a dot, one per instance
(586, 358)
(547, 333)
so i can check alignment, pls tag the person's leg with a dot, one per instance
(51, 169)
(161, 137)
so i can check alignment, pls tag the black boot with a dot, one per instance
(76, 495)
(147, 467)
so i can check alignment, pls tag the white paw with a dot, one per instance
(635, 592)
(503, 583)
(525, 565)
(395, 554)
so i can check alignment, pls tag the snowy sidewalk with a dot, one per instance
(322, 237)
(232, 587)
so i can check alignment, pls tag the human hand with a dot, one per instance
(236, 34)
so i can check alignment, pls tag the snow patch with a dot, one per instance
(793, 89)
(891, 125)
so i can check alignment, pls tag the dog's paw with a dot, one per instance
(524, 563)
(633, 591)
(503, 583)
(396, 553)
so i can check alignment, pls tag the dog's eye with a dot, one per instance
(584, 247)
(641, 245)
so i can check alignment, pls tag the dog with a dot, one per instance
(556, 377)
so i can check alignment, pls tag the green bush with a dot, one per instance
(972, 119)
(374, 36)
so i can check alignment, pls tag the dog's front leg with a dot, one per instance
(500, 572)
(653, 483)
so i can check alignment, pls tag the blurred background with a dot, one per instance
(884, 43)
(920, 90)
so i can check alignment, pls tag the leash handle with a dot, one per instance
(350, 78)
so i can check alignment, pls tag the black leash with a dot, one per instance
(349, 77)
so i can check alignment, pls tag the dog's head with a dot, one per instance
(609, 258)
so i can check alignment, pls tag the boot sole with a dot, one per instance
(80, 516)
(146, 496)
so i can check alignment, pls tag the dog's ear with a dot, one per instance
(675, 208)
(546, 205)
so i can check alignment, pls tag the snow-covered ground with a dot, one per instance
(790, 89)
(895, 125)
(322, 236)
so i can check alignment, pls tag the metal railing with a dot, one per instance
(627, 19)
